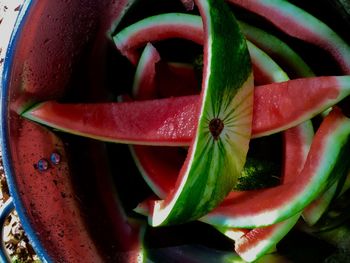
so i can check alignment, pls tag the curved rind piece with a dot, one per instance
(217, 154)
(300, 24)
(169, 121)
(278, 50)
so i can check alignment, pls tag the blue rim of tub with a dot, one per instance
(4, 84)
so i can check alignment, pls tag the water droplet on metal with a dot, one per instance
(43, 165)
(55, 158)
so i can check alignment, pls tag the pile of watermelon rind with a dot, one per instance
(252, 85)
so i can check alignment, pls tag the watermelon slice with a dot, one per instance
(296, 142)
(260, 241)
(168, 26)
(313, 212)
(300, 24)
(172, 121)
(145, 74)
(253, 244)
(223, 134)
(265, 69)
(277, 50)
(294, 23)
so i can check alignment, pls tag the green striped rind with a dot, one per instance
(277, 49)
(315, 210)
(263, 245)
(177, 19)
(122, 8)
(313, 213)
(149, 53)
(266, 64)
(332, 165)
(213, 165)
(267, 42)
(299, 23)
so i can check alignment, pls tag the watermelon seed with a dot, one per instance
(216, 126)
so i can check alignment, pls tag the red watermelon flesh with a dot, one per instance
(176, 79)
(172, 121)
(296, 144)
(155, 78)
(159, 166)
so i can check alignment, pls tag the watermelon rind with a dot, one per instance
(252, 246)
(132, 32)
(149, 54)
(219, 149)
(278, 50)
(300, 24)
(266, 65)
(315, 210)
